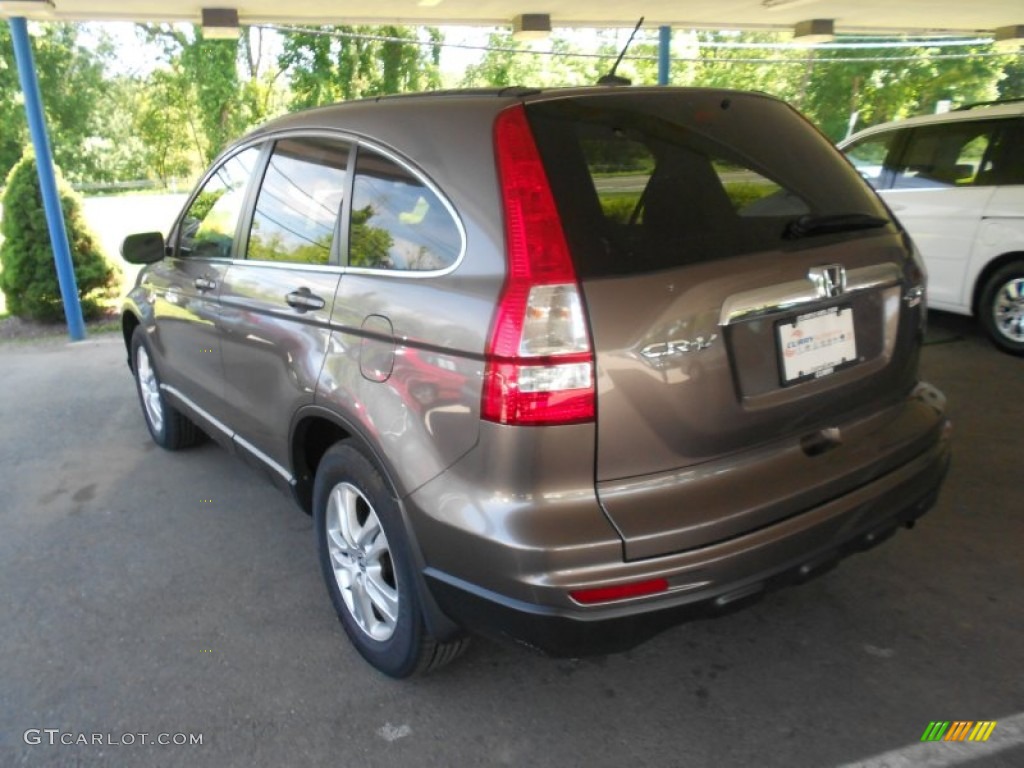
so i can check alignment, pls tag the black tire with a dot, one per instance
(1001, 308)
(363, 578)
(169, 428)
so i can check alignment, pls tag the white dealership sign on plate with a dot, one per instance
(816, 344)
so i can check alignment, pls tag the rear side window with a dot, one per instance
(398, 223)
(1005, 162)
(956, 154)
(208, 228)
(297, 209)
(653, 181)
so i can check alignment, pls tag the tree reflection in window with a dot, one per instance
(398, 223)
(370, 245)
(208, 228)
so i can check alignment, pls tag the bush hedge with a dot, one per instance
(29, 276)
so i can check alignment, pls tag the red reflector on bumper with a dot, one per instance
(619, 591)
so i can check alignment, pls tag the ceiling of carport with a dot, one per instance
(850, 16)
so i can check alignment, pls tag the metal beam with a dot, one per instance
(47, 178)
(664, 54)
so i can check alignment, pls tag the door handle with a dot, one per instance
(204, 284)
(303, 299)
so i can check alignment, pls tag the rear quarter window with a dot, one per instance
(398, 222)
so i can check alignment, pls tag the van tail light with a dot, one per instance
(539, 359)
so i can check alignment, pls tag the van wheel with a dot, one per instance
(1002, 308)
(365, 560)
(168, 427)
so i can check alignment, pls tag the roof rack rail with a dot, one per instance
(994, 103)
(509, 90)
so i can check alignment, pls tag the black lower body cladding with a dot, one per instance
(532, 605)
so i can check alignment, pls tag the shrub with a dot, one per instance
(29, 276)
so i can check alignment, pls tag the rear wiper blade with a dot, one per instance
(809, 225)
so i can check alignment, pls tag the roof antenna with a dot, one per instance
(611, 78)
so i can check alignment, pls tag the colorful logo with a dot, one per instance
(958, 730)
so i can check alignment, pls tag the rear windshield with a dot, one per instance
(648, 181)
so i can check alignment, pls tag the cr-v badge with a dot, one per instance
(677, 346)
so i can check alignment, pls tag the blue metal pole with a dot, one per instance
(47, 179)
(664, 49)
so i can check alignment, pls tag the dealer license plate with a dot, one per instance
(817, 344)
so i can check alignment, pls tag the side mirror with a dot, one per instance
(145, 248)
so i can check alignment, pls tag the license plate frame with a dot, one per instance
(816, 344)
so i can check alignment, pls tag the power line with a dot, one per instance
(925, 43)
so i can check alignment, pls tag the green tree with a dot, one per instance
(752, 69)
(911, 82)
(331, 64)
(29, 276)
(506, 63)
(1011, 85)
(509, 62)
(164, 123)
(369, 246)
(73, 88)
(202, 77)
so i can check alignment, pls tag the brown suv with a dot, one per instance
(564, 366)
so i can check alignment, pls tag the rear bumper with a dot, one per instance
(703, 582)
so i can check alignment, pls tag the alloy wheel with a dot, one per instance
(362, 563)
(149, 387)
(1008, 309)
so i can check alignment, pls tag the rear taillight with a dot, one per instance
(539, 360)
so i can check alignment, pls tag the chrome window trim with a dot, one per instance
(291, 266)
(771, 299)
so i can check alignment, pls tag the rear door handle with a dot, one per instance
(205, 284)
(303, 299)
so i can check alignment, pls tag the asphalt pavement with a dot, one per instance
(150, 597)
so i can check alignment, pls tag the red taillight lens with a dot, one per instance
(540, 364)
(619, 591)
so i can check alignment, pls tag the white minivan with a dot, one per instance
(956, 182)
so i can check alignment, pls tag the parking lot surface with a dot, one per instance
(178, 596)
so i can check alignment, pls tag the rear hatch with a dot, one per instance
(748, 296)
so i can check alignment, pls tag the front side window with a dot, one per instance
(208, 227)
(398, 222)
(869, 158)
(299, 201)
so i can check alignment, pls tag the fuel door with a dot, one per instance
(377, 349)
